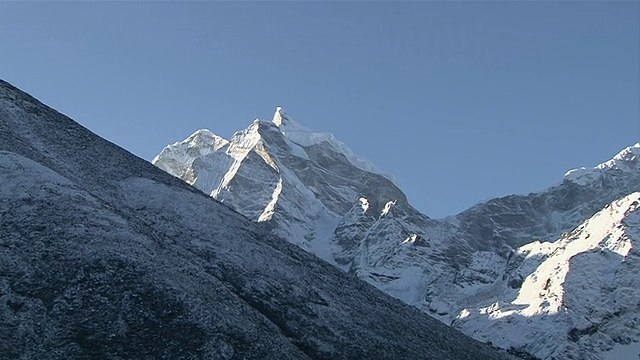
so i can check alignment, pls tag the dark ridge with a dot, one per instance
(102, 255)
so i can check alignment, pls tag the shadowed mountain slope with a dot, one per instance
(102, 255)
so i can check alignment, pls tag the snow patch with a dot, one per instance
(270, 209)
(387, 208)
(364, 203)
(411, 239)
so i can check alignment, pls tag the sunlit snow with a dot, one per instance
(625, 160)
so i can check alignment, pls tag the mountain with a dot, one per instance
(103, 255)
(299, 181)
(310, 189)
(520, 219)
(575, 296)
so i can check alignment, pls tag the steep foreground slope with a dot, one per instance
(309, 188)
(103, 255)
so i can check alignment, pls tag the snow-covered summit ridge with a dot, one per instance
(204, 142)
(305, 137)
(625, 160)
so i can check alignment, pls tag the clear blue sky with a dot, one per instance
(460, 101)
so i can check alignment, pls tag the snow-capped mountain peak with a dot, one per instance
(199, 143)
(625, 160)
(284, 173)
(306, 137)
(180, 155)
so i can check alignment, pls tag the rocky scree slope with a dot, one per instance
(102, 255)
(309, 188)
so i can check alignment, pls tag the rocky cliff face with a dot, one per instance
(312, 190)
(103, 255)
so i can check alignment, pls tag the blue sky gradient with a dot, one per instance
(459, 101)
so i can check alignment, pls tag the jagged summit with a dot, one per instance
(279, 117)
(626, 160)
(627, 155)
(309, 188)
(306, 137)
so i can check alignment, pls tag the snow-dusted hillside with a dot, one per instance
(309, 188)
(104, 256)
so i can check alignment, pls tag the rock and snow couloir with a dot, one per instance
(309, 188)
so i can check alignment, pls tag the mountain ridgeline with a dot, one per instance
(103, 255)
(466, 270)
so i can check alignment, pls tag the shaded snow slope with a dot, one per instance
(102, 255)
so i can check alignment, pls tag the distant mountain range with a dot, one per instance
(548, 274)
(104, 256)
